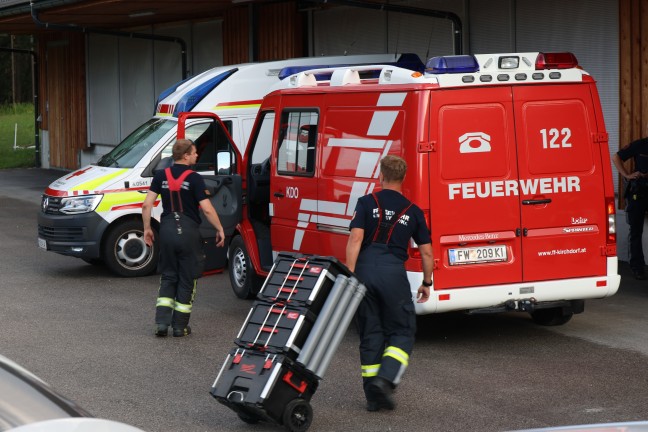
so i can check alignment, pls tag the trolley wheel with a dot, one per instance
(297, 415)
(248, 418)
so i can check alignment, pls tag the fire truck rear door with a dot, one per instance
(561, 182)
(473, 169)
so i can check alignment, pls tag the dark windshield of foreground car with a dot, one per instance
(25, 399)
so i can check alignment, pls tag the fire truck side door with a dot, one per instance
(293, 190)
(222, 179)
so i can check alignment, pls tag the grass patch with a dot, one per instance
(24, 155)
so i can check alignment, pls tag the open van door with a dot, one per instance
(219, 162)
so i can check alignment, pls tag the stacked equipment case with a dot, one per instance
(288, 340)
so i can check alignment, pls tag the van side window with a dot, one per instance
(297, 142)
(209, 141)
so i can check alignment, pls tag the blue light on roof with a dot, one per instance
(452, 64)
(168, 91)
(190, 99)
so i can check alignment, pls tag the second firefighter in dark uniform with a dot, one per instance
(181, 253)
(381, 229)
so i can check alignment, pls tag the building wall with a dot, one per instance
(125, 76)
(62, 101)
(348, 30)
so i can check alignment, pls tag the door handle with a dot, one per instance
(279, 195)
(536, 201)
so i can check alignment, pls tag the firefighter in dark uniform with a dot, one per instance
(636, 196)
(181, 252)
(381, 229)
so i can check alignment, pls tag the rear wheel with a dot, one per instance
(551, 316)
(297, 416)
(125, 252)
(243, 278)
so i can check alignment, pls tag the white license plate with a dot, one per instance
(477, 255)
(42, 243)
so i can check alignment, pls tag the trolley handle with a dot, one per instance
(302, 386)
(297, 279)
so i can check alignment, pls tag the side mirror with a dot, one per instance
(223, 163)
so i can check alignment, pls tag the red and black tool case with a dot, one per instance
(288, 340)
(266, 387)
(276, 328)
(301, 280)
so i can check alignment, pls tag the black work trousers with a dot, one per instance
(386, 319)
(181, 262)
(636, 214)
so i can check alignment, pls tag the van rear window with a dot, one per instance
(475, 141)
(557, 137)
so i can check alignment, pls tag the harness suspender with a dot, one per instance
(175, 185)
(391, 224)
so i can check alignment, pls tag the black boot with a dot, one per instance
(161, 330)
(381, 390)
(180, 332)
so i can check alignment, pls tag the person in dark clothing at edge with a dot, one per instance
(636, 195)
(181, 252)
(381, 228)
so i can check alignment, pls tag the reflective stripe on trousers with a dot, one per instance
(180, 265)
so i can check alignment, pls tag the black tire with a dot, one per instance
(125, 252)
(243, 278)
(297, 416)
(551, 316)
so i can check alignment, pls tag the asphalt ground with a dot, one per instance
(90, 335)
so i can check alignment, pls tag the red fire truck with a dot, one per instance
(508, 158)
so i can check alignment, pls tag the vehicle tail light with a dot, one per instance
(611, 227)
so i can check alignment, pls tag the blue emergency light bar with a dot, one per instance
(170, 90)
(405, 61)
(452, 64)
(189, 100)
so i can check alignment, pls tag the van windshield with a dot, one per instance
(131, 150)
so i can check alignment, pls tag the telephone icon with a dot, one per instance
(474, 142)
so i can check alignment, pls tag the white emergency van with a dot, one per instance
(508, 159)
(94, 213)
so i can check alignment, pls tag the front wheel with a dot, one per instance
(243, 278)
(551, 316)
(125, 252)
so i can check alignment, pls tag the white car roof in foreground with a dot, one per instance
(639, 426)
(77, 424)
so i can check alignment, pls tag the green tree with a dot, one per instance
(16, 76)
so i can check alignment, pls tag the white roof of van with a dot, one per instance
(252, 81)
